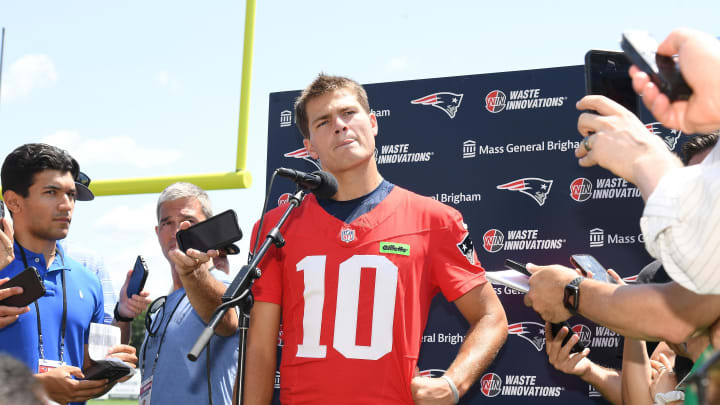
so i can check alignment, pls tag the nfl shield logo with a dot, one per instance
(347, 235)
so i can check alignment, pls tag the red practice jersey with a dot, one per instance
(355, 297)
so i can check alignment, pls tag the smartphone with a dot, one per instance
(512, 264)
(110, 369)
(589, 265)
(555, 328)
(138, 277)
(216, 232)
(606, 74)
(33, 288)
(641, 50)
(2, 214)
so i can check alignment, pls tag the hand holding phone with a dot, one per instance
(606, 74)
(32, 285)
(641, 49)
(556, 327)
(589, 265)
(138, 277)
(217, 232)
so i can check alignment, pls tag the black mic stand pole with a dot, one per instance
(239, 294)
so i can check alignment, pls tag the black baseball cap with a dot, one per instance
(82, 182)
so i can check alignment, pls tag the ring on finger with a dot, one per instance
(586, 144)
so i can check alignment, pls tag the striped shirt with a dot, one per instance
(681, 224)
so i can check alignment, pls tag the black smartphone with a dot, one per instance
(2, 214)
(512, 264)
(555, 328)
(138, 277)
(33, 288)
(216, 232)
(641, 50)
(589, 265)
(606, 74)
(110, 369)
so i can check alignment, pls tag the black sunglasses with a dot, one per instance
(154, 315)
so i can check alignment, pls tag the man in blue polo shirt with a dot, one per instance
(40, 193)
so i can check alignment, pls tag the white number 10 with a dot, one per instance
(348, 298)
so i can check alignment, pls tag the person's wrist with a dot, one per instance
(649, 169)
(119, 316)
(453, 388)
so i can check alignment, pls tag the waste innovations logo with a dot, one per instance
(492, 385)
(493, 240)
(519, 239)
(583, 333)
(495, 101)
(612, 188)
(400, 153)
(581, 189)
(284, 199)
(533, 187)
(444, 100)
(524, 99)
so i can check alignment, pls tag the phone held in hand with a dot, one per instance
(641, 49)
(606, 74)
(32, 285)
(138, 277)
(589, 265)
(217, 232)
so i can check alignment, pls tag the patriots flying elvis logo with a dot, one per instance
(303, 154)
(669, 136)
(535, 187)
(533, 332)
(446, 101)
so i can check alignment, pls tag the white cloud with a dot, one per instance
(398, 64)
(127, 219)
(121, 150)
(164, 79)
(26, 74)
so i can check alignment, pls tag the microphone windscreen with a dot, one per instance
(328, 186)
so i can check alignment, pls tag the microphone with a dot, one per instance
(322, 184)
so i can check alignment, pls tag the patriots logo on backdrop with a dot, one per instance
(303, 154)
(466, 248)
(446, 101)
(669, 136)
(533, 332)
(535, 187)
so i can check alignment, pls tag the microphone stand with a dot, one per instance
(239, 294)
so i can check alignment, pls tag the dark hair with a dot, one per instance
(322, 85)
(697, 144)
(21, 165)
(17, 383)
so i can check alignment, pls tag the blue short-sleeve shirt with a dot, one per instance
(84, 306)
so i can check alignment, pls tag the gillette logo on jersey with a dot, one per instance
(519, 239)
(526, 99)
(400, 153)
(491, 385)
(581, 189)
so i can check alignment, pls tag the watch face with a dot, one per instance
(571, 298)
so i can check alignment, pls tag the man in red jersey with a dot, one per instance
(354, 283)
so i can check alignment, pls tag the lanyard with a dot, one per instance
(162, 337)
(37, 312)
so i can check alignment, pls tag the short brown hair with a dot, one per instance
(322, 85)
(697, 144)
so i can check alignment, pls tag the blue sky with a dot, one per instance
(137, 89)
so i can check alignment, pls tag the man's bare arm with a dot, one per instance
(261, 353)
